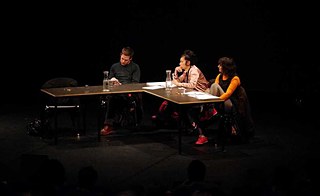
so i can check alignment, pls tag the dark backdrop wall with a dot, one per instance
(270, 41)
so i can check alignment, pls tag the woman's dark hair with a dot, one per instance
(228, 66)
(190, 56)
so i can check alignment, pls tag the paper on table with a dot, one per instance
(152, 87)
(162, 84)
(201, 95)
(194, 93)
(205, 97)
(156, 84)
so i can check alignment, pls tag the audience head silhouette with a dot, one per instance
(196, 170)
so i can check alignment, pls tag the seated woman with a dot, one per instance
(187, 75)
(228, 87)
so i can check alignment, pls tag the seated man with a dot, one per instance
(123, 72)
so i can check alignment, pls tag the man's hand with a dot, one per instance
(115, 81)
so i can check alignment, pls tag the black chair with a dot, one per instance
(127, 114)
(56, 107)
(237, 124)
(242, 115)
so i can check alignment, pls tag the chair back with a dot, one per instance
(53, 106)
(58, 83)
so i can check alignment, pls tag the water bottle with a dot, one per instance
(105, 86)
(168, 80)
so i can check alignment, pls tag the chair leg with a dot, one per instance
(47, 120)
(78, 121)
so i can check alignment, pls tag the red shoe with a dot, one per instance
(202, 140)
(208, 115)
(163, 106)
(106, 130)
(214, 112)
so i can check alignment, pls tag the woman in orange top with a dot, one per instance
(226, 83)
(228, 87)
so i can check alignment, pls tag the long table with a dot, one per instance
(173, 96)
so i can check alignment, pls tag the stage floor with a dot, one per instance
(149, 156)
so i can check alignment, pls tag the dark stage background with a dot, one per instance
(272, 42)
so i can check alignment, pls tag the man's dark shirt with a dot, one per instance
(125, 74)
